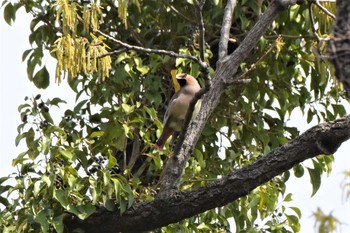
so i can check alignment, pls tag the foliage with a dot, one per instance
(100, 152)
(325, 223)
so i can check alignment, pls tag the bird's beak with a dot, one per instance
(181, 76)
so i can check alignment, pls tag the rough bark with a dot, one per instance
(339, 45)
(322, 139)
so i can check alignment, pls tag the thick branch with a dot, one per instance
(226, 69)
(322, 139)
(225, 29)
(339, 45)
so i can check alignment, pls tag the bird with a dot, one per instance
(178, 107)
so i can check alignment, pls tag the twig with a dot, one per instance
(225, 29)
(324, 9)
(177, 11)
(199, 7)
(254, 66)
(313, 22)
(285, 36)
(148, 50)
(112, 53)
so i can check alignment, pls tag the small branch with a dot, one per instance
(285, 36)
(147, 50)
(177, 11)
(324, 9)
(313, 22)
(255, 65)
(199, 7)
(112, 53)
(225, 29)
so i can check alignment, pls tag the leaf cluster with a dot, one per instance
(100, 153)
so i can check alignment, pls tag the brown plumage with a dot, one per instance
(178, 107)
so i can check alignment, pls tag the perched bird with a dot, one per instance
(178, 107)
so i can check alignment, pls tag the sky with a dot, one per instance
(15, 86)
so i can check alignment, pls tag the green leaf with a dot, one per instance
(109, 204)
(9, 13)
(4, 201)
(298, 170)
(29, 137)
(56, 101)
(121, 143)
(339, 109)
(38, 186)
(57, 223)
(112, 161)
(297, 211)
(20, 159)
(127, 108)
(26, 53)
(288, 197)
(255, 200)
(204, 226)
(78, 107)
(69, 155)
(85, 210)
(42, 78)
(96, 134)
(315, 177)
(41, 218)
(122, 206)
(61, 197)
(293, 222)
(19, 138)
(46, 115)
(310, 115)
(3, 179)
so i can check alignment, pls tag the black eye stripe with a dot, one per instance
(182, 82)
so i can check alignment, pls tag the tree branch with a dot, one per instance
(324, 138)
(327, 12)
(225, 29)
(313, 26)
(147, 50)
(199, 7)
(173, 170)
(340, 43)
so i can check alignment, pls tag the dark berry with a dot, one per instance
(40, 105)
(38, 96)
(46, 109)
(93, 170)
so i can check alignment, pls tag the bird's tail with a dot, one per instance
(163, 138)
